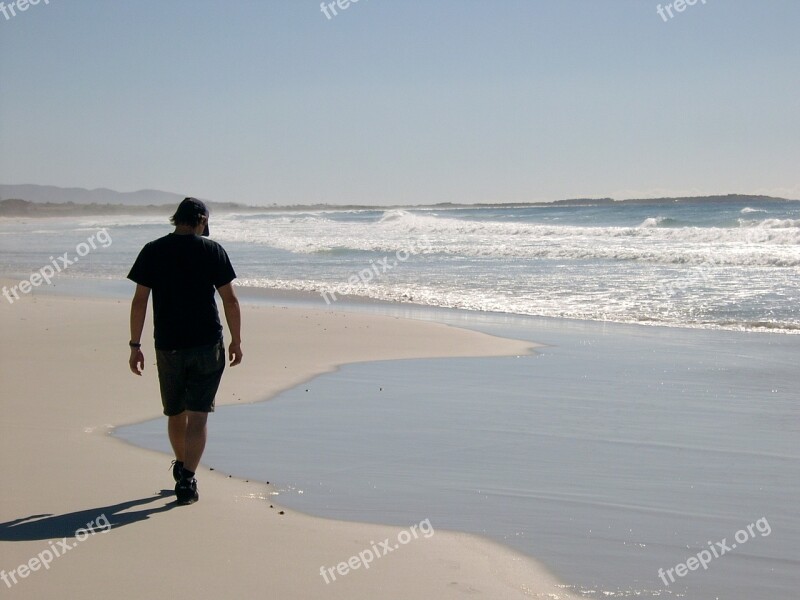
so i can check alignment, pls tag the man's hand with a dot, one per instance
(235, 353)
(138, 312)
(233, 315)
(136, 361)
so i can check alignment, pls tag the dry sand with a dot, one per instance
(65, 384)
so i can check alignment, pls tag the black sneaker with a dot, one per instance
(177, 470)
(186, 491)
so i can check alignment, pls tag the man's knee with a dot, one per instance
(196, 420)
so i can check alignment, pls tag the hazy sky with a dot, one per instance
(403, 101)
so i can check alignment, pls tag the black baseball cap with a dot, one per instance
(189, 209)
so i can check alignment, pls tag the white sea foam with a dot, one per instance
(772, 242)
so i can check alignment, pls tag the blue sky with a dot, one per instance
(403, 101)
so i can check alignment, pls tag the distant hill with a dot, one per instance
(707, 199)
(57, 195)
(745, 198)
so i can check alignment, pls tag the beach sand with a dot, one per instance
(66, 384)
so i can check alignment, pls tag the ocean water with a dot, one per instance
(613, 452)
(730, 265)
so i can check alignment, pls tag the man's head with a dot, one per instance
(191, 212)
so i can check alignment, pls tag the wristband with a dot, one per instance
(134, 345)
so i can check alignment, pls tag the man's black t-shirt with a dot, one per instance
(183, 271)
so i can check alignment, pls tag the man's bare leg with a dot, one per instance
(195, 439)
(176, 429)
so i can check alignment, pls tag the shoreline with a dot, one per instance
(224, 500)
(266, 296)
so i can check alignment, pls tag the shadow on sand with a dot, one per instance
(49, 526)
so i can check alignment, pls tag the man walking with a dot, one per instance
(183, 270)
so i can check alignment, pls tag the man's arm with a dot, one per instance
(233, 315)
(138, 313)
